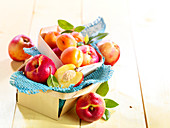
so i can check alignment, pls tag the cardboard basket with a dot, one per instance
(47, 103)
(46, 50)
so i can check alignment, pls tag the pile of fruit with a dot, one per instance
(74, 51)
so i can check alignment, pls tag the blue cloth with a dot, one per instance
(100, 75)
(32, 51)
(92, 29)
(25, 85)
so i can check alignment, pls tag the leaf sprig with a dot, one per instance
(52, 81)
(68, 27)
(103, 90)
(97, 37)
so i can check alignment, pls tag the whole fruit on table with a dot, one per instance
(39, 68)
(72, 55)
(90, 55)
(90, 107)
(15, 47)
(110, 51)
(67, 75)
(50, 38)
(65, 40)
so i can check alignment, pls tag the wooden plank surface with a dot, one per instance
(124, 85)
(14, 19)
(151, 30)
(130, 23)
(47, 13)
(26, 118)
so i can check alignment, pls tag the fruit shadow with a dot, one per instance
(16, 65)
(96, 123)
(7, 68)
(68, 119)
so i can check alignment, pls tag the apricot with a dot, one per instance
(50, 38)
(65, 40)
(78, 36)
(72, 55)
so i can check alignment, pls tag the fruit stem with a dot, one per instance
(36, 66)
(91, 108)
(26, 40)
(89, 53)
(75, 69)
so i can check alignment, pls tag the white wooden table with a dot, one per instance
(141, 80)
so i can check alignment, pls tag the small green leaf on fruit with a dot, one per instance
(80, 44)
(103, 89)
(79, 28)
(86, 39)
(67, 31)
(65, 25)
(52, 81)
(106, 114)
(110, 103)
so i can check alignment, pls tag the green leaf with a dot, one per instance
(103, 89)
(91, 37)
(80, 44)
(86, 39)
(106, 114)
(110, 103)
(67, 31)
(65, 25)
(79, 28)
(52, 81)
(99, 36)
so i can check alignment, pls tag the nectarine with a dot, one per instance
(39, 68)
(90, 55)
(15, 47)
(110, 51)
(57, 51)
(67, 75)
(90, 107)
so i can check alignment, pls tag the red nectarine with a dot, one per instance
(90, 55)
(39, 68)
(67, 75)
(110, 51)
(90, 107)
(15, 47)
